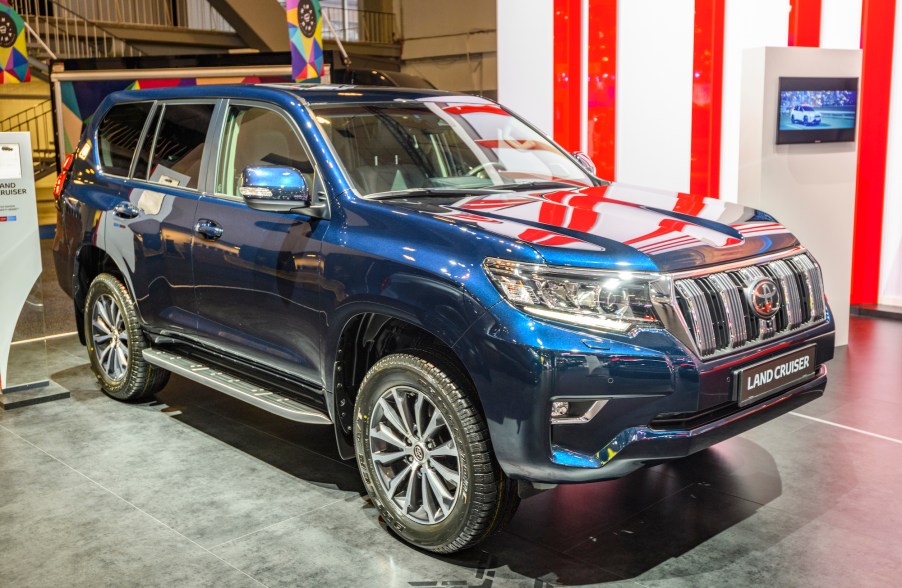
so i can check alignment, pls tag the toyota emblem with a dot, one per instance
(764, 297)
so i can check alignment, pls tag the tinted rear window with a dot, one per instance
(118, 136)
(143, 160)
(179, 144)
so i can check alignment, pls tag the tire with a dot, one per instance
(427, 384)
(115, 343)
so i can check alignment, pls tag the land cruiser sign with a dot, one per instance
(766, 378)
(20, 252)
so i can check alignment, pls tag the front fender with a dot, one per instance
(442, 309)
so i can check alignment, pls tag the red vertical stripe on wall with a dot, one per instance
(566, 73)
(877, 28)
(805, 23)
(707, 97)
(602, 95)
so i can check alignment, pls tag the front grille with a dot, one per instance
(720, 319)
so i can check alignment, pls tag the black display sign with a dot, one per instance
(307, 18)
(8, 31)
(769, 377)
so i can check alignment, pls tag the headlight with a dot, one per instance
(605, 300)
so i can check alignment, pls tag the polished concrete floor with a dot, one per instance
(198, 489)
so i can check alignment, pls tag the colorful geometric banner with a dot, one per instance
(13, 54)
(305, 34)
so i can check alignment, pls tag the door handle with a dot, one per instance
(126, 210)
(208, 229)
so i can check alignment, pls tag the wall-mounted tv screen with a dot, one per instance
(817, 110)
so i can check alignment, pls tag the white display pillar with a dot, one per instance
(809, 188)
(526, 60)
(21, 299)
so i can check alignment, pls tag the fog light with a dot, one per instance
(559, 409)
(575, 412)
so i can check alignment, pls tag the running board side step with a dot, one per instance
(236, 387)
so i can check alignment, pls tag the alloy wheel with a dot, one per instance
(415, 456)
(110, 337)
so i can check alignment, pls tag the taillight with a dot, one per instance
(61, 179)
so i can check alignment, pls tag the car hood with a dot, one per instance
(616, 226)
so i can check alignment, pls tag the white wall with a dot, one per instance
(654, 93)
(748, 23)
(891, 249)
(841, 24)
(809, 188)
(526, 60)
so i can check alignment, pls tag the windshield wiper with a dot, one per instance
(431, 192)
(536, 185)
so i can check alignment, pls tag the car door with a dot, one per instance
(152, 228)
(257, 274)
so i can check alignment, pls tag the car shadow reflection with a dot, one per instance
(621, 529)
(572, 535)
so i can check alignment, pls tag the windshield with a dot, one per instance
(434, 145)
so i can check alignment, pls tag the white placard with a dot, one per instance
(20, 246)
(10, 163)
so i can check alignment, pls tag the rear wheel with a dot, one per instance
(116, 342)
(425, 456)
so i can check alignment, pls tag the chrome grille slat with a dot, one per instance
(700, 315)
(815, 286)
(791, 298)
(704, 301)
(732, 303)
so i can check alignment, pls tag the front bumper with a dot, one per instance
(637, 447)
(519, 367)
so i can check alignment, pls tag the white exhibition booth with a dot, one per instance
(809, 188)
(20, 268)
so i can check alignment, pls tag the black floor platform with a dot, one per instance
(199, 489)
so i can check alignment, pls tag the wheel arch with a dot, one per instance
(90, 261)
(363, 339)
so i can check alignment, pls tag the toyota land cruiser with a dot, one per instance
(475, 313)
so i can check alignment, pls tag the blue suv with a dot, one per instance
(475, 313)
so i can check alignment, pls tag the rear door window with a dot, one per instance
(118, 135)
(175, 158)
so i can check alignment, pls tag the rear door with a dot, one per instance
(152, 228)
(257, 274)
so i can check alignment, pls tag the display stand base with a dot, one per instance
(29, 394)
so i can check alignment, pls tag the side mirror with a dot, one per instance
(585, 161)
(274, 188)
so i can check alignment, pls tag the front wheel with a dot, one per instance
(425, 456)
(116, 342)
